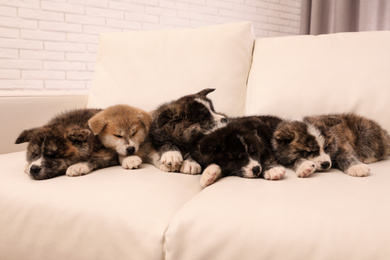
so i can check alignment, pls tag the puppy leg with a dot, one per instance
(274, 173)
(358, 170)
(154, 158)
(350, 164)
(78, 169)
(130, 162)
(210, 175)
(172, 159)
(305, 168)
(190, 166)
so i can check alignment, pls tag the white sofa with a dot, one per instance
(114, 213)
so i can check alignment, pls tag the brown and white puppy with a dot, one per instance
(177, 127)
(125, 130)
(344, 141)
(65, 145)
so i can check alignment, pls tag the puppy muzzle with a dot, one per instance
(130, 150)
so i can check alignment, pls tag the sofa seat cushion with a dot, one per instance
(147, 68)
(108, 214)
(334, 73)
(327, 216)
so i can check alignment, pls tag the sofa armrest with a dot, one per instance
(22, 112)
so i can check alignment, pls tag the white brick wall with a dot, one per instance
(50, 45)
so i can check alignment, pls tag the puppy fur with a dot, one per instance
(63, 142)
(344, 141)
(125, 130)
(177, 126)
(241, 148)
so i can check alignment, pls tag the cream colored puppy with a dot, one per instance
(125, 129)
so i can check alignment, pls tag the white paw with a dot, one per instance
(358, 170)
(210, 175)
(164, 168)
(172, 159)
(131, 162)
(190, 167)
(77, 169)
(275, 173)
(305, 169)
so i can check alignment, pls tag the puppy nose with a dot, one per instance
(325, 165)
(130, 150)
(224, 120)
(35, 169)
(256, 170)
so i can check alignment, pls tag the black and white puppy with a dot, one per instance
(347, 142)
(177, 127)
(241, 148)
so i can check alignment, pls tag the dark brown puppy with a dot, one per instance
(344, 141)
(178, 125)
(241, 148)
(65, 145)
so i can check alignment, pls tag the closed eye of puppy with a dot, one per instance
(125, 129)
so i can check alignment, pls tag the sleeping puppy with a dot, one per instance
(65, 145)
(125, 130)
(177, 126)
(347, 142)
(241, 148)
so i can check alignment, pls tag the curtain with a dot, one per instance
(331, 16)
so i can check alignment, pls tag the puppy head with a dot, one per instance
(294, 140)
(190, 114)
(235, 151)
(122, 128)
(52, 150)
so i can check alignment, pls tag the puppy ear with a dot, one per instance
(165, 117)
(26, 135)
(145, 118)
(284, 136)
(332, 121)
(208, 147)
(205, 91)
(77, 134)
(97, 123)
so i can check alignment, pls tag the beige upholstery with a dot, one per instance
(336, 73)
(109, 214)
(24, 112)
(146, 69)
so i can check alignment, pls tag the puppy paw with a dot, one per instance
(358, 170)
(305, 169)
(190, 167)
(275, 173)
(172, 159)
(210, 175)
(131, 162)
(164, 168)
(78, 169)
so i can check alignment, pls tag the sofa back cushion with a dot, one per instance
(147, 68)
(335, 73)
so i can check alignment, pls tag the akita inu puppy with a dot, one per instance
(125, 130)
(177, 127)
(344, 141)
(65, 145)
(241, 148)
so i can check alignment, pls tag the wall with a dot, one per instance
(51, 45)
